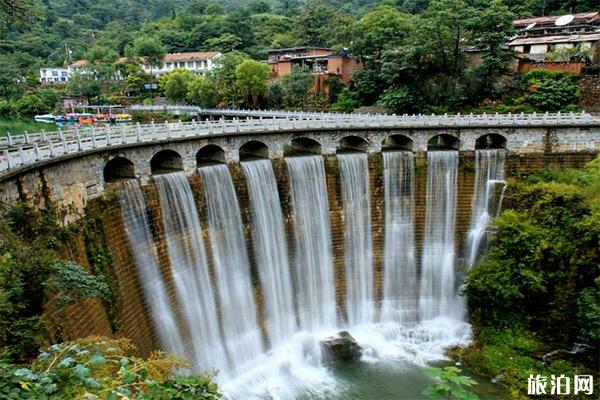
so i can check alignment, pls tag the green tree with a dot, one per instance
(399, 99)
(383, 28)
(101, 54)
(84, 84)
(494, 24)
(20, 11)
(31, 272)
(150, 49)
(346, 101)
(226, 42)
(549, 91)
(11, 78)
(296, 86)
(202, 91)
(135, 77)
(252, 79)
(317, 24)
(175, 84)
(225, 78)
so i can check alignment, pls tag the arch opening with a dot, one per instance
(254, 150)
(443, 142)
(119, 168)
(210, 155)
(166, 161)
(303, 146)
(352, 144)
(397, 142)
(490, 141)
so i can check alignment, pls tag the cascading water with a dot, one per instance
(438, 296)
(190, 272)
(360, 296)
(300, 309)
(399, 303)
(238, 308)
(489, 181)
(271, 250)
(315, 289)
(137, 228)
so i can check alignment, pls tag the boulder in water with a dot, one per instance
(340, 349)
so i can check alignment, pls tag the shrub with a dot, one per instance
(102, 368)
(550, 91)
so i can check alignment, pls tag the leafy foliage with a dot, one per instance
(295, 87)
(31, 273)
(105, 368)
(550, 91)
(537, 288)
(252, 79)
(450, 384)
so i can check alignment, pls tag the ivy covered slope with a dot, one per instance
(535, 296)
(35, 281)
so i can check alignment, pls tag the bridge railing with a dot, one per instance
(21, 151)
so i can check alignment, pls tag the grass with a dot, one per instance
(18, 126)
(510, 356)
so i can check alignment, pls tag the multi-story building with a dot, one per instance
(540, 39)
(198, 62)
(53, 76)
(322, 61)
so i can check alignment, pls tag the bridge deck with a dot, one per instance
(22, 151)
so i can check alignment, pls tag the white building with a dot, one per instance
(198, 62)
(53, 76)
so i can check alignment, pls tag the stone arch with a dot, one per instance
(210, 154)
(166, 161)
(253, 150)
(443, 141)
(303, 145)
(118, 168)
(397, 142)
(490, 141)
(352, 144)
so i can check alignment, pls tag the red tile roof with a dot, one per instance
(191, 56)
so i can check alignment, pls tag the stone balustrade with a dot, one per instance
(26, 150)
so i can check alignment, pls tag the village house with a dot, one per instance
(547, 42)
(322, 61)
(52, 76)
(198, 62)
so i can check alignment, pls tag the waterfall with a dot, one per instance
(270, 250)
(438, 286)
(232, 267)
(190, 271)
(399, 302)
(489, 177)
(137, 228)
(358, 257)
(315, 288)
